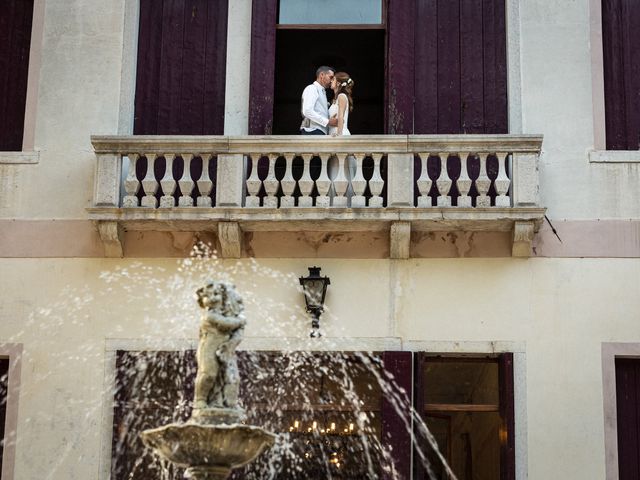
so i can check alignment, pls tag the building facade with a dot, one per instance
(485, 246)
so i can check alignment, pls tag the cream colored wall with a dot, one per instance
(558, 312)
(558, 101)
(78, 94)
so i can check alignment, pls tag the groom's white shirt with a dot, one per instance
(315, 107)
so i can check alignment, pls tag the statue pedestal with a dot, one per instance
(217, 415)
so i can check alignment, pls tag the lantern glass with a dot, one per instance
(315, 288)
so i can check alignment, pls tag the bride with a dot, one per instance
(342, 86)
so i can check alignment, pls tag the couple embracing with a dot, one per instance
(318, 117)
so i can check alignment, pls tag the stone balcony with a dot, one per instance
(396, 184)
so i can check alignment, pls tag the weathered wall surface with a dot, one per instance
(554, 312)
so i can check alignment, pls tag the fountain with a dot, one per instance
(213, 441)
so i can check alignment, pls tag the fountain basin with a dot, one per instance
(208, 451)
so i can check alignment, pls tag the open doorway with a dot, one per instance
(359, 52)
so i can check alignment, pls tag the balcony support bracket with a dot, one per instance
(112, 236)
(400, 240)
(230, 237)
(522, 238)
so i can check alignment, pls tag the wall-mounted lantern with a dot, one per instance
(315, 288)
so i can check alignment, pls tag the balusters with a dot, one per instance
(502, 182)
(444, 182)
(253, 182)
(464, 183)
(376, 183)
(186, 182)
(131, 183)
(323, 183)
(288, 183)
(149, 183)
(347, 189)
(271, 184)
(358, 183)
(340, 183)
(306, 183)
(483, 182)
(205, 185)
(167, 183)
(424, 182)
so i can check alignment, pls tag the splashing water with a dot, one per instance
(331, 408)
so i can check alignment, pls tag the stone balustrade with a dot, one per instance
(424, 181)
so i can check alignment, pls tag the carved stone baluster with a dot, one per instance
(464, 182)
(288, 183)
(149, 183)
(358, 183)
(444, 182)
(205, 185)
(271, 183)
(424, 182)
(186, 182)
(340, 183)
(168, 183)
(502, 182)
(306, 183)
(483, 182)
(323, 183)
(131, 183)
(253, 182)
(376, 183)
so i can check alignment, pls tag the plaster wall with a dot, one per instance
(555, 313)
(86, 77)
(560, 92)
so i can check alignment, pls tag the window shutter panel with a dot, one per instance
(628, 413)
(400, 67)
(4, 385)
(180, 79)
(460, 67)
(507, 413)
(621, 56)
(394, 431)
(16, 17)
(263, 63)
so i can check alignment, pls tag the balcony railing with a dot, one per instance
(399, 182)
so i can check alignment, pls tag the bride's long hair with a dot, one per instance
(345, 85)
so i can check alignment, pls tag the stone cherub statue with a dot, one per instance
(221, 330)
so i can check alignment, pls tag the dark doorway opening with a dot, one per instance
(361, 53)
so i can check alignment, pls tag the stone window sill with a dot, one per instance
(614, 156)
(19, 157)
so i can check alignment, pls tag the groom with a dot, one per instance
(315, 107)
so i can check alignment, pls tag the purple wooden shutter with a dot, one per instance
(507, 413)
(180, 82)
(460, 67)
(15, 39)
(394, 432)
(400, 67)
(621, 55)
(263, 62)
(4, 384)
(628, 413)
(419, 471)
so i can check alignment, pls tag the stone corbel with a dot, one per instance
(230, 237)
(522, 238)
(112, 236)
(400, 240)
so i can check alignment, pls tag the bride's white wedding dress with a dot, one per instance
(333, 112)
(350, 162)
